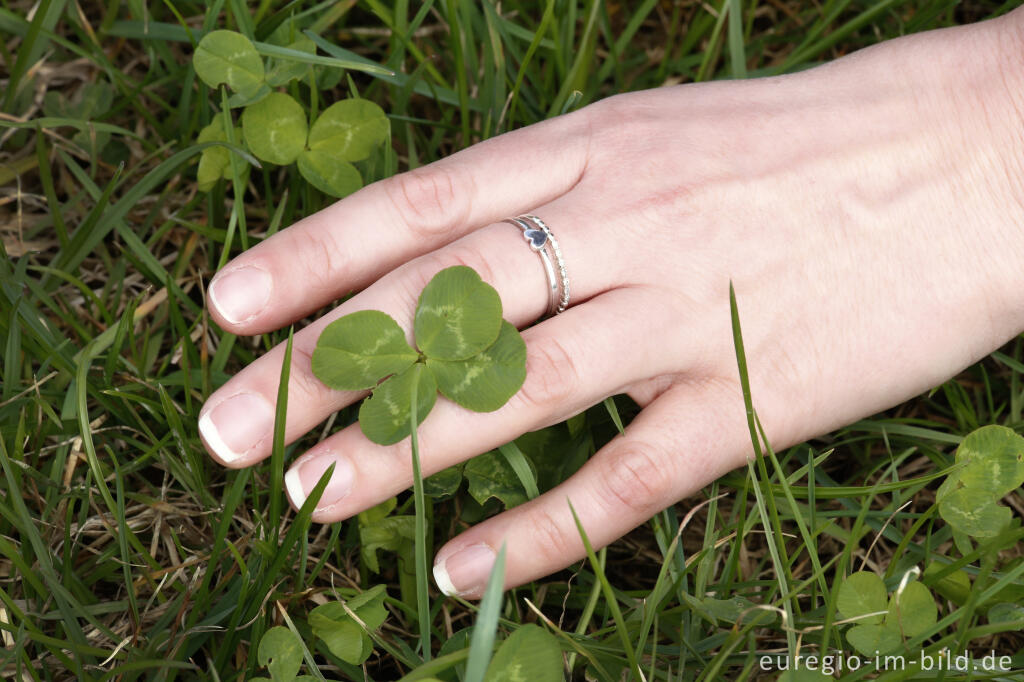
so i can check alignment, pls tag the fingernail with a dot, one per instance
(465, 571)
(241, 294)
(304, 476)
(237, 425)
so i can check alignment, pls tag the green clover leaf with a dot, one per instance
(344, 637)
(349, 129)
(280, 652)
(991, 463)
(215, 162)
(530, 653)
(485, 381)
(357, 351)
(490, 475)
(974, 512)
(333, 176)
(384, 416)
(860, 594)
(282, 71)
(346, 131)
(458, 315)
(228, 57)
(955, 586)
(444, 483)
(388, 534)
(913, 610)
(275, 128)
(908, 613)
(872, 640)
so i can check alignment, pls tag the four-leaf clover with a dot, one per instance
(465, 350)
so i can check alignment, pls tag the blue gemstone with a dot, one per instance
(537, 238)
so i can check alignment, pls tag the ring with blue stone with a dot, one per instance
(542, 241)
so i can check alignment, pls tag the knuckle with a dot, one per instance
(423, 269)
(551, 375)
(462, 253)
(322, 261)
(550, 539)
(635, 480)
(429, 200)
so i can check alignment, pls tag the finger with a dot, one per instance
(237, 421)
(573, 361)
(679, 442)
(356, 240)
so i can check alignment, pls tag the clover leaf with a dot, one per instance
(378, 530)
(282, 71)
(349, 129)
(344, 637)
(384, 416)
(333, 176)
(530, 653)
(991, 463)
(275, 128)
(280, 652)
(358, 350)
(228, 57)
(485, 381)
(346, 131)
(490, 475)
(913, 609)
(447, 326)
(215, 162)
(871, 640)
(467, 351)
(860, 596)
(909, 612)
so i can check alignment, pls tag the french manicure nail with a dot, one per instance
(465, 571)
(303, 477)
(241, 294)
(236, 425)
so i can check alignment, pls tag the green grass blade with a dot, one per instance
(517, 460)
(769, 521)
(420, 547)
(737, 52)
(609, 597)
(481, 646)
(31, 49)
(287, 54)
(277, 452)
(613, 412)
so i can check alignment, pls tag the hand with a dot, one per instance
(867, 212)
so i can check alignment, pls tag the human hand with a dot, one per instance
(867, 213)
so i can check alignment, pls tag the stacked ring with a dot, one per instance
(542, 240)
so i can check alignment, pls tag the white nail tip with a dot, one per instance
(216, 443)
(444, 583)
(294, 487)
(220, 309)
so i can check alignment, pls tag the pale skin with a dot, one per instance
(869, 213)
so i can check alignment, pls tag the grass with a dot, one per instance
(126, 553)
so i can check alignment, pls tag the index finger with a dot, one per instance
(353, 242)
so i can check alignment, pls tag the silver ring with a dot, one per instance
(542, 240)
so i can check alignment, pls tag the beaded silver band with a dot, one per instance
(542, 241)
